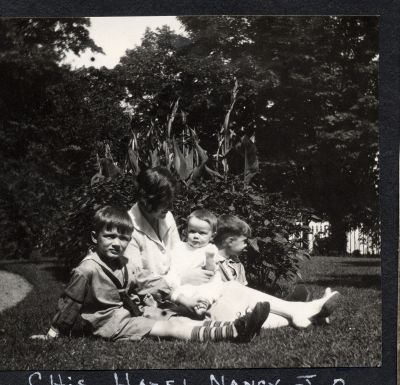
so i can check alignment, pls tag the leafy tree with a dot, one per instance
(51, 120)
(32, 50)
(162, 70)
(305, 87)
(168, 71)
(316, 122)
(71, 119)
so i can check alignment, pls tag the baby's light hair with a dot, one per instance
(109, 217)
(207, 216)
(230, 226)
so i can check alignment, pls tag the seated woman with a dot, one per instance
(156, 236)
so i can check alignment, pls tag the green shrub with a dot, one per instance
(271, 257)
(27, 205)
(68, 234)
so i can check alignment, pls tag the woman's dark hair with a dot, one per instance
(110, 217)
(156, 187)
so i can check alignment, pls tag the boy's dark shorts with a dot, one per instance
(135, 328)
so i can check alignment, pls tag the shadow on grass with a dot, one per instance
(369, 263)
(372, 281)
(58, 272)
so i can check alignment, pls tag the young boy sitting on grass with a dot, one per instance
(101, 291)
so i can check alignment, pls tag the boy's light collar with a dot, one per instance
(232, 258)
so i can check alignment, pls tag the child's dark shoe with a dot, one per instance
(250, 324)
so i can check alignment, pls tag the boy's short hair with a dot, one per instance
(156, 186)
(230, 226)
(110, 217)
(207, 216)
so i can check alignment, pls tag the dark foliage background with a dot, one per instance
(298, 94)
(271, 257)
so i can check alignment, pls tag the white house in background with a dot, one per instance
(356, 240)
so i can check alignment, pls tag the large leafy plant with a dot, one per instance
(179, 148)
(273, 255)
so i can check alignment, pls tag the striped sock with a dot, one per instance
(213, 333)
(216, 323)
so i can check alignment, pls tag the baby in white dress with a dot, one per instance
(198, 252)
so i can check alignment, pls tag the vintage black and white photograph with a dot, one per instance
(190, 192)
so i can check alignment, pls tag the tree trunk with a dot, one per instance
(338, 239)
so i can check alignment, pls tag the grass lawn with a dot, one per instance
(353, 338)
